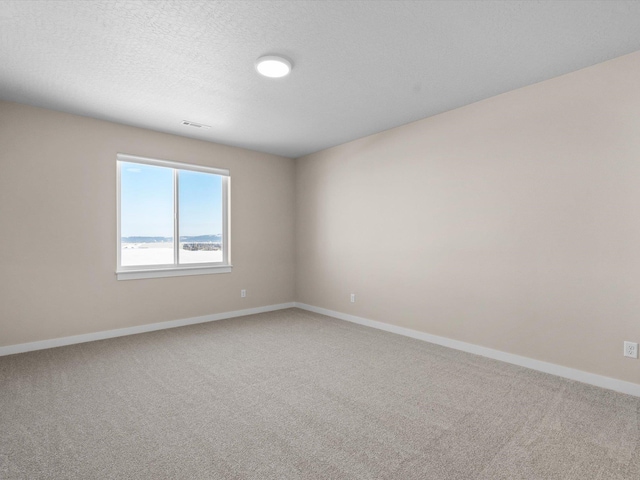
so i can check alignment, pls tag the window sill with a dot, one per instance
(171, 272)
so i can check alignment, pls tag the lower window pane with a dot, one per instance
(146, 219)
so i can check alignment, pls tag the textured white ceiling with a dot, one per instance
(360, 67)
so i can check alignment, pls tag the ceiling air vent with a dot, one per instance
(194, 124)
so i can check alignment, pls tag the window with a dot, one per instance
(172, 219)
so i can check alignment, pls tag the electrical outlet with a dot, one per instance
(243, 293)
(353, 298)
(631, 349)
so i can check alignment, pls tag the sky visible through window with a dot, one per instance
(147, 202)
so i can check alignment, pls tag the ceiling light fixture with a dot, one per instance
(273, 66)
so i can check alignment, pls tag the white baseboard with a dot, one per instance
(551, 368)
(120, 332)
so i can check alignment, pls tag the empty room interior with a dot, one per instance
(319, 239)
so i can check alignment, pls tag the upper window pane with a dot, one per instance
(200, 217)
(146, 218)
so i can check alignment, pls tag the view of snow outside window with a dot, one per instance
(147, 216)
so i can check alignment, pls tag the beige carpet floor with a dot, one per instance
(295, 395)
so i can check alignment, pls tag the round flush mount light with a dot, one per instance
(273, 66)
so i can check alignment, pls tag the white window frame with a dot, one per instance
(175, 269)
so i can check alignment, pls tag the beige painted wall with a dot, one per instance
(58, 228)
(512, 223)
